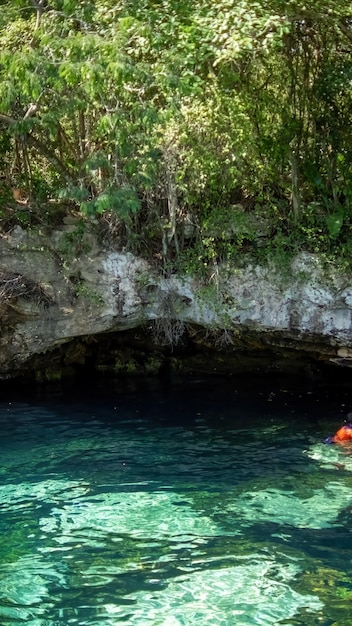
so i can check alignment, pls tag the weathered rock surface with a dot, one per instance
(58, 293)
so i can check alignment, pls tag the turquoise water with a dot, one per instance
(201, 502)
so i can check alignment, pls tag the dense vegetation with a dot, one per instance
(194, 130)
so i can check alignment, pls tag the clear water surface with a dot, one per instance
(197, 502)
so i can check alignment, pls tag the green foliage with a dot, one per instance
(173, 112)
(124, 201)
(74, 242)
(90, 295)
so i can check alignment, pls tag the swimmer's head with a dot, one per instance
(349, 418)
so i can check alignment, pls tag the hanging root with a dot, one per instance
(14, 285)
(168, 329)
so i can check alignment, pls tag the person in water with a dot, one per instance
(344, 433)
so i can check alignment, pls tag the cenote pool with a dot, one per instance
(203, 502)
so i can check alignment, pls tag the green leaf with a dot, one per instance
(334, 223)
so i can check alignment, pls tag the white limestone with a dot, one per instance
(106, 291)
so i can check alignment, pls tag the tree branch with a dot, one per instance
(345, 29)
(39, 7)
(6, 119)
(51, 156)
(41, 147)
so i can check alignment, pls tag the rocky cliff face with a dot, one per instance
(62, 296)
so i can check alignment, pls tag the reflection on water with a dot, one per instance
(191, 505)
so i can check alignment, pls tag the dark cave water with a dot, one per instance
(203, 502)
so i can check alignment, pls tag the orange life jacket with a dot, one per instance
(343, 434)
